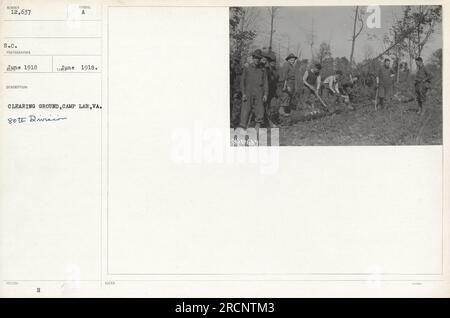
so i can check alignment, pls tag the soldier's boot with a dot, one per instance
(282, 112)
(285, 121)
(380, 103)
(274, 118)
(420, 109)
(387, 103)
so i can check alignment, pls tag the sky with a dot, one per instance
(333, 25)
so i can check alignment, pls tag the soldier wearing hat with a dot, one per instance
(254, 87)
(384, 82)
(287, 78)
(273, 101)
(421, 83)
(312, 81)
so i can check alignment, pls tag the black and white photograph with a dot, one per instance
(336, 75)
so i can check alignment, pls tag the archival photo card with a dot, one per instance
(194, 149)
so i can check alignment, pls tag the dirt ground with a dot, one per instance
(396, 125)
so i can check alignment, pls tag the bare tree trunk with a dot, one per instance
(272, 15)
(397, 56)
(279, 52)
(419, 24)
(311, 43)
(419, 50)
(299, 53)
(354, 35)
(410, 54)
(242, 21)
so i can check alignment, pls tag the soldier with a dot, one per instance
(273, 101)
(384, 83)
(254, 87)
(287, 77)
(312, 81)
(347, 89)
(330, 89)
(421, 83)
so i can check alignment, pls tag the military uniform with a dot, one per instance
(385, 83)
(327, 93)
(287, 78)
(421, 84)
(273, 97)
(312, 79)
(254, 85)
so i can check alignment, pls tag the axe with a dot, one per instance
(320, 99)
(376, 99)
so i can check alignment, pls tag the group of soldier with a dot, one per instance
(384, 84)
(267, 94)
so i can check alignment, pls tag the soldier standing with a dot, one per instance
(384, 83)
(273, 101)
(287, 77)
(254, 86)
(421, 83)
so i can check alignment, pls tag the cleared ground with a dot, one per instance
(396, 125)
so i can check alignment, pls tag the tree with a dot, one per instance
(394, 39)
(436, 58)
(342, 63)
(358, 19)
(435, 67)
(241, 35)
(311, 38)
(425, 20)
(272, 13)
(415, 28)
(324, 52)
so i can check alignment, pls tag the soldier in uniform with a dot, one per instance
(384, 83)
(287, 77)
(421, 83)
(254, 87)
(273, 100)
